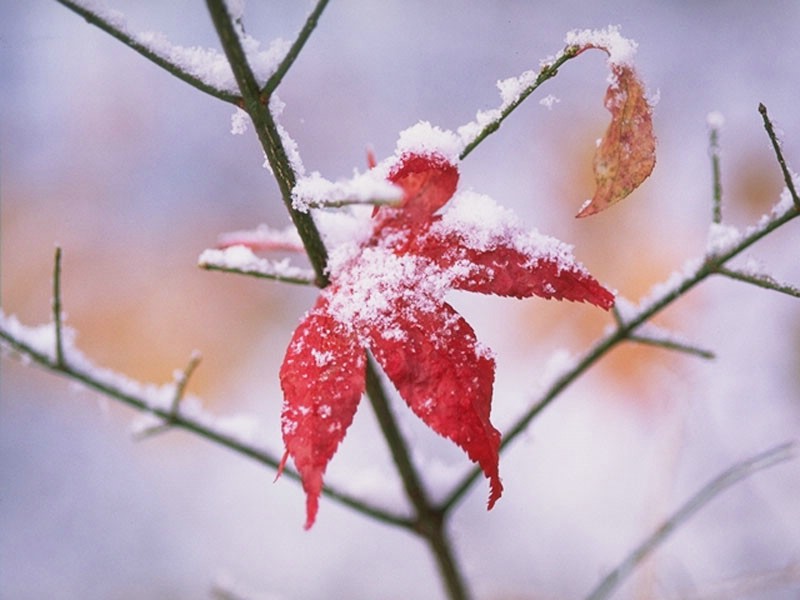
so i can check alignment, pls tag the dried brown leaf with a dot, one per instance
(626, 155)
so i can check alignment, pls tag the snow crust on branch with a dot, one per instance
(41, 340)
(241, 259)
(314, 191)
(207, 64)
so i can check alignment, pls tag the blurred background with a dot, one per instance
(133, 173)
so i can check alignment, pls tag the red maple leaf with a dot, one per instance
(388, 296)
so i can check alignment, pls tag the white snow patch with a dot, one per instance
(715, 120)
(512, 88)
(620, 50)
(314, 191)
(239, 121)
(424, 138)
(242, 259)
(721, 238)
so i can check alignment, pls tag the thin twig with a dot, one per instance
(163, 62)
(776, 146)
(548, 72)
(711, 490)
(763, 281)
(59, 353)
(180, 390)
(669, 344)
(257, 107)
(89, 376)
(296, 280)
(294, 51)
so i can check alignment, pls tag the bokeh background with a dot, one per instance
(134, 173)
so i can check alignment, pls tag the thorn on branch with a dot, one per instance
(776, 146)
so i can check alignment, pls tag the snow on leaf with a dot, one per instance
(440, 371)
(387, 294)
(322, 377)
(625, 156)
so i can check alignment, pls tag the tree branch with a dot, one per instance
(147, 399)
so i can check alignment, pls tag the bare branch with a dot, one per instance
(311, 22)
(59, 353)
(776, 146)
(711, 490)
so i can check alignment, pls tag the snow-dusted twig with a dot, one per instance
(36, 344)
(694, 272)
(241, 260)
(548, 71)
(708, 492)
(115, 26)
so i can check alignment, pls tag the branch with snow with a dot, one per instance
(166, 405)
(240, 259)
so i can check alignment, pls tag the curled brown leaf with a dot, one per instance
(626, 154)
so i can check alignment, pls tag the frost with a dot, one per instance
(620, 50)
(41, 340)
